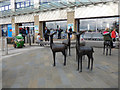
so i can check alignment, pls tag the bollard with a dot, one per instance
(6, 46)
(25, 39)
(33, 39)
(29, 40)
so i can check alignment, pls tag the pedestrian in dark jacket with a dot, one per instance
(23, 32)
(59, 33)
(46, 34)
(70, 31)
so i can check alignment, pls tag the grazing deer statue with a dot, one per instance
(83, 50)
(57, 48)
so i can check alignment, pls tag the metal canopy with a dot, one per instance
(46, 6)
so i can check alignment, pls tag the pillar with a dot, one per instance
(12, 2)
(71, 21)
(38, 26)
(0, 31)
(15, 30)
(41, 28)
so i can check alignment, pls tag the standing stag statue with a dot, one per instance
(57, 48)
(83, 50)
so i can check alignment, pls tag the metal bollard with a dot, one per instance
(26, 39)
(29, 40)
(6, 46)
(33, 39)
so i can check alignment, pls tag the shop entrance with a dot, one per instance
(29, 28)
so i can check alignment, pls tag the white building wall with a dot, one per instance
(110, 9)
(53, 15)
(24, 18)
(5, 21)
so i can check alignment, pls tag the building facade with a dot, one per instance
(90, 15)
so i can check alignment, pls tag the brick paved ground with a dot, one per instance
(32, 68)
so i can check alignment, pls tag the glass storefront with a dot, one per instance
(55, 25)
(30, 27)
(98, 24)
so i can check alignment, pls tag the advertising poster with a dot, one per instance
(10, 30)
(13, 29)
(72, 26)
(36, 29)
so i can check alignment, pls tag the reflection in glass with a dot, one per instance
(97, 25)
(54, 26)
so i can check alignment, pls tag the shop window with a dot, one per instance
(18, 5)
(22, 4)
(6, 7)
(54, 26)
(0, 8)
(9, 6)
(3, 9)
(27, 3)
(97, 25)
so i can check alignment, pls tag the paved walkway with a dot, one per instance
(32, 68)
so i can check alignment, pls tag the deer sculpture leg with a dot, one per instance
(64, 60)
(110, 49)
(64, 53)
(92, 62)
(81, 63)
(88, 62)
(104, 48)
(78, 62)
(54, 64)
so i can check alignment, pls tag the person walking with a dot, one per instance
(46, 34)
(107, 36)
(23, 32)
(70, 31)
(113, 35)
(59, 33)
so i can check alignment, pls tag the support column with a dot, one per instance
(0, 31)
(15, 30)
(12, 5)
(71, 22)
(36, 25)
